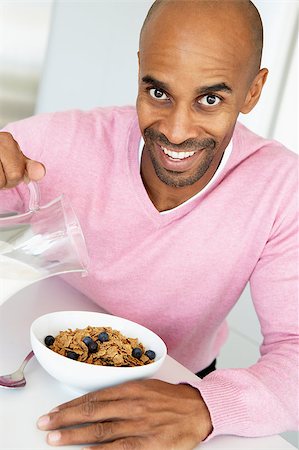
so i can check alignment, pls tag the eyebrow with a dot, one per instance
(147, 79)
(218, 87)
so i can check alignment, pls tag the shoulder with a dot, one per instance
(263, 169)
(117, 116)
(64, 132)
(70, 121)
(253, 144)
(263, 155)
(109, 126)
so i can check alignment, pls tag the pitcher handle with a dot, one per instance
(34, 196)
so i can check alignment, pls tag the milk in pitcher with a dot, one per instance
(16, 275)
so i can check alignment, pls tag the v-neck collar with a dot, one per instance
(222, 164)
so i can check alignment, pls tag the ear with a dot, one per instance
(255, 91)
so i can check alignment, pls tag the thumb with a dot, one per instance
(35, 170)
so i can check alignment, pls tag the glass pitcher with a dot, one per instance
(44, 241)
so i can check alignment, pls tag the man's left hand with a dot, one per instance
(136, 415)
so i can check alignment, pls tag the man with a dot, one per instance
(177, 228)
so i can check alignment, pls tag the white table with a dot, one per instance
(20, 408)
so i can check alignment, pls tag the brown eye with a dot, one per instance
(158, 94)
(210, 100)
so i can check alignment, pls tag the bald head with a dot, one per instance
(240, 15)
(199, 67)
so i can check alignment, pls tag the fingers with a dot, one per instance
(122, 391)
(14, 165)
(152, 413)
(86, 412)
(93, 433)
(131, 443)
(35, 170)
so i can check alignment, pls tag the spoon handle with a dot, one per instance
(28, 357)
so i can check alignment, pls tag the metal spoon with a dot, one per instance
(16, 379)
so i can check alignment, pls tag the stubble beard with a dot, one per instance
(180, 179)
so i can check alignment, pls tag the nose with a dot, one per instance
(178, 124)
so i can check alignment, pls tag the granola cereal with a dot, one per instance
(101, 346)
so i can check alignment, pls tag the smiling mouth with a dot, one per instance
(177, 155)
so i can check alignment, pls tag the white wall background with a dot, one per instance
(92, 54)
(23, 38)
(91, 61)
(276, 114)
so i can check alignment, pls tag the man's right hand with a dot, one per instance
(15, 167)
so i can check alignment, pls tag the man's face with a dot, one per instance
(193, 83)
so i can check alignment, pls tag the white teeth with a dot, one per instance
(177, 155)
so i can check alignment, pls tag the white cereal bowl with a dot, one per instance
(87, 377)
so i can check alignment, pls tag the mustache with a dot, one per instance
(190, 144)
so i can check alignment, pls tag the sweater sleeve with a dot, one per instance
(263, 399)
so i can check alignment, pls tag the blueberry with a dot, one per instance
(49, 340)
(72, 355)
(137, 352)
(150, 354)
(103, 337)
(92, 347)
(87, 340)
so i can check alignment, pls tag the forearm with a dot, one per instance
(257, 401)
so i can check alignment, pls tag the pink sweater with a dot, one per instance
(181, 273)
